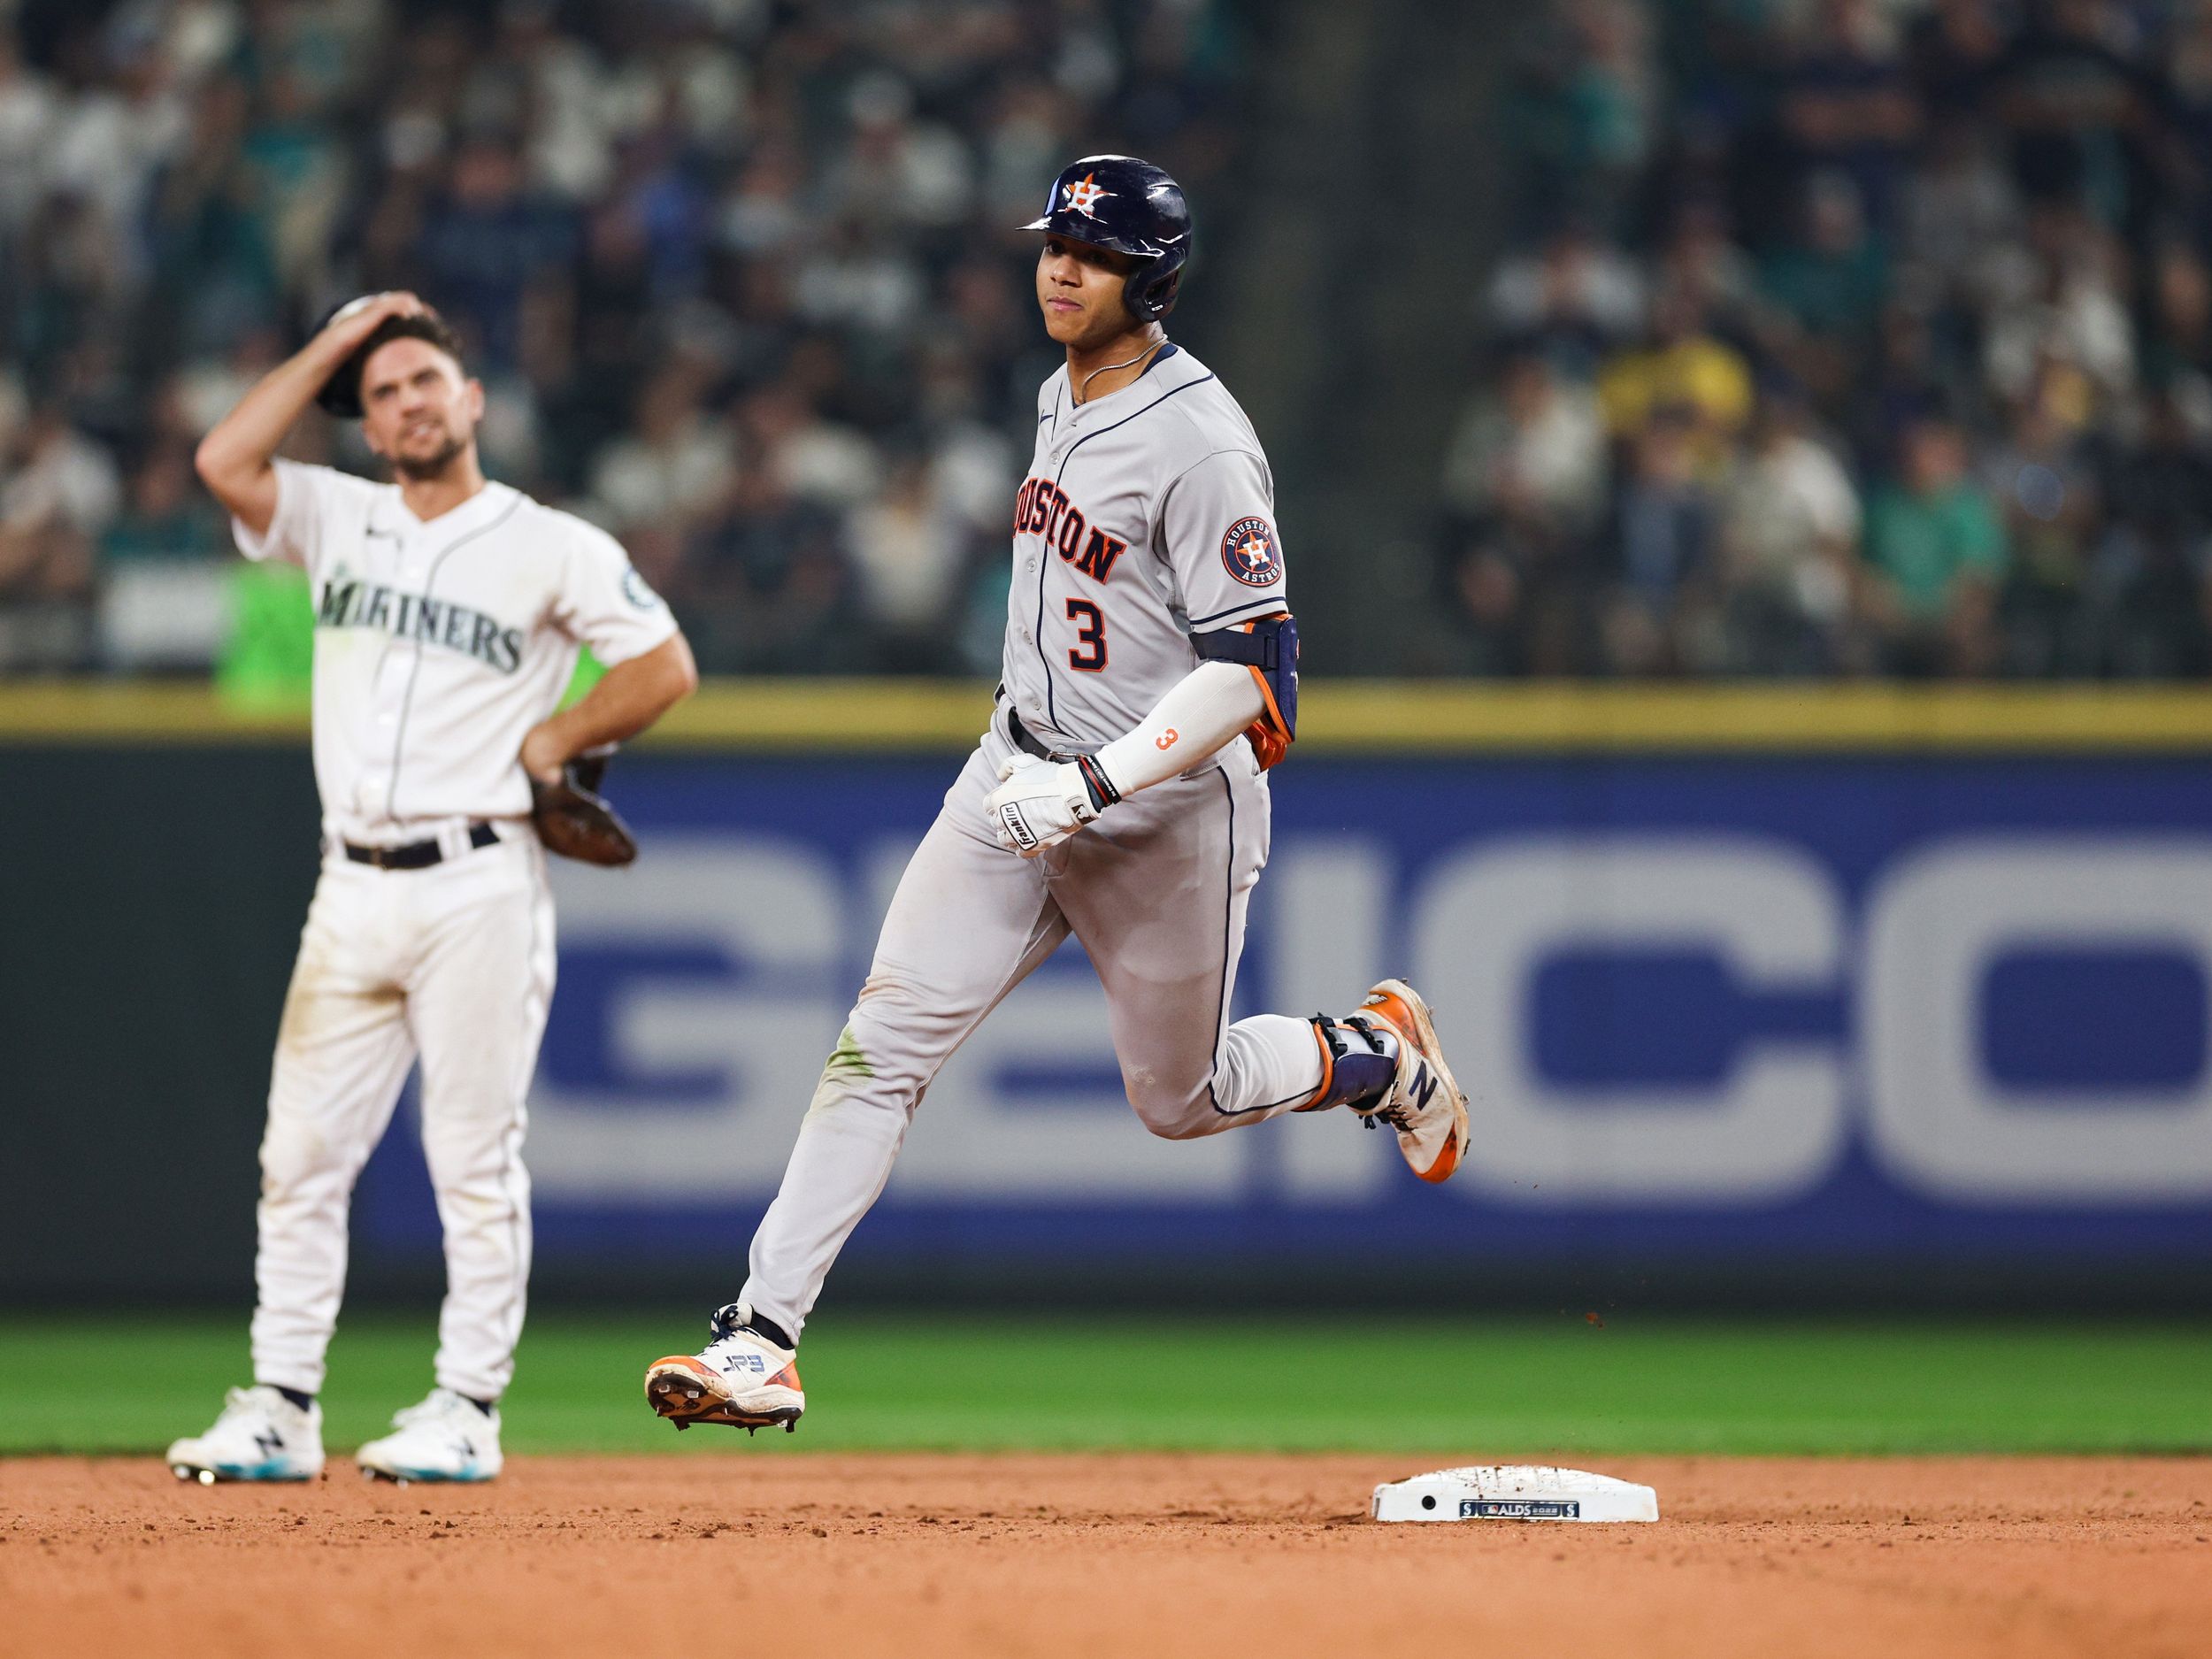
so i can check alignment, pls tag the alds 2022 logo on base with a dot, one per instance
(1250, 553)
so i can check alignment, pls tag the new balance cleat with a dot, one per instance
(739, 1378)
(447, 1437)
(260, 1436)
(1424, 1102)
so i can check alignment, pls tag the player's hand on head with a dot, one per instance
(1039, 803)
(360, 317)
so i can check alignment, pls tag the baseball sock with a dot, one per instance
(485, 1406)
(304, 1402)
(773, 1331)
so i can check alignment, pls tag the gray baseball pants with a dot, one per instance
(1155, 891)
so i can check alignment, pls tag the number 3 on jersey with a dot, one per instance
(1090, 655)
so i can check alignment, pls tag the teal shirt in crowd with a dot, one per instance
(1925, 543)
(1830, 293)
(187, 534)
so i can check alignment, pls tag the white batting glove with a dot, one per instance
(1039, 804)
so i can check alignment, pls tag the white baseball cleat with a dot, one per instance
(1424, 1102)
(260, 1436)
(739, 1378)
(448, 1437)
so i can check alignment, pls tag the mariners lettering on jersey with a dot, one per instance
(1043, 509)
(351, 603)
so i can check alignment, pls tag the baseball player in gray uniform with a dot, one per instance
(1150, 679)
(449, 611)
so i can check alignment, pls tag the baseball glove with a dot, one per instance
(575, 820)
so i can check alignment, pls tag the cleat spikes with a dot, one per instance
(684, 1390)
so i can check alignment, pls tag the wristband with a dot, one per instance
(1101, 789)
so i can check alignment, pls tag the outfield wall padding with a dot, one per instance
(1893, 1027)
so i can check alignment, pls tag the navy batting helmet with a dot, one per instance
(1130, 207)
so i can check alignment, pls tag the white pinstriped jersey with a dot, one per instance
(1148, 516)
(438, 646)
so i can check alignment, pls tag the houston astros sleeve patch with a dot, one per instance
(1249, 552)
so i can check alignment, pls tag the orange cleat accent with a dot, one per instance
(1328, 1074)
(1432, 1121)
(686, 1390)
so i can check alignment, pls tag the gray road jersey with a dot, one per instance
(1149, 515)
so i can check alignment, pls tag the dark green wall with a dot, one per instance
(152, 899)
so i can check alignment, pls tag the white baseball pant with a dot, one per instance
(452, 964)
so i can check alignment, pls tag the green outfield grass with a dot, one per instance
(1493, 1386)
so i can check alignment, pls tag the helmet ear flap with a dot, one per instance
(1151, 297)
(1163, 293)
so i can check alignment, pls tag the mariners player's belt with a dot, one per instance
(416, 855)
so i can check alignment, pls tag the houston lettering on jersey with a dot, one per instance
(361, 604)
(1043, 509)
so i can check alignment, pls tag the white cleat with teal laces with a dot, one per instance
(448, 1437)
(260, 1436)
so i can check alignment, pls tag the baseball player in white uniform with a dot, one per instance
(1150, 678)
(449, 611)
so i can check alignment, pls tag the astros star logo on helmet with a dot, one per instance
(1084, 192)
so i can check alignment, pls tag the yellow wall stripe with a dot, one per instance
(1336, 717)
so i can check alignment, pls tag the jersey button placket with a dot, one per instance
(392, 675)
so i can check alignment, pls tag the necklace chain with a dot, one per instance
(1108, 368)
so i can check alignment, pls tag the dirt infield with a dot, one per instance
(1136, 1557)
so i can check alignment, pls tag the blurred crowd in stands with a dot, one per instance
(1830, 337)
(1846, 337)
(738, 274)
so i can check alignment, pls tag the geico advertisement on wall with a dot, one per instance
(1863, 992)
